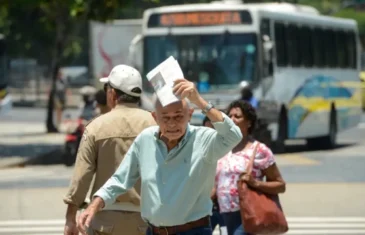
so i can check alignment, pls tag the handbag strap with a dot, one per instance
(252, 159)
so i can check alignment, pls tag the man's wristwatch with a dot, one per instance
(208, 107)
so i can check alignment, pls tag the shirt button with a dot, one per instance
(165, 163)
(163, 182)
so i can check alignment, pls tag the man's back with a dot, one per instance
(114, 134)
(109, 137)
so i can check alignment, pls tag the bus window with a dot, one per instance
(341, 51)
(331, 56)
(306, 46)
(294, 49)
(280, 44)
(351, 48)
(318, 48)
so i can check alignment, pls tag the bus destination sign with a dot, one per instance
(205, 18)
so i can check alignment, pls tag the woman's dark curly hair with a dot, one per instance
(247, 110)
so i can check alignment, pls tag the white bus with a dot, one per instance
(5, 100)
(295, 59)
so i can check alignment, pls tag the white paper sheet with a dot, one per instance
(162, 79)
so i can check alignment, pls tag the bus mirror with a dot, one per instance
(268, 46)
(135, 52)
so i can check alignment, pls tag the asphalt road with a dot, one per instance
(325, 189)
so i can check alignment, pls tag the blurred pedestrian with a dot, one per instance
(101, 104)
(247, 94)
(60, 97)
(105, 142)
(176, 163)
(234, 163)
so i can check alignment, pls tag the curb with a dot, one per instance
(48, 158)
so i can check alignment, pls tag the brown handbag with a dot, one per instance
(261, 213)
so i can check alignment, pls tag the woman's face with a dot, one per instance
(240, 120)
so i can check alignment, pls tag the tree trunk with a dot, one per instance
(56, 59)
(51, 128)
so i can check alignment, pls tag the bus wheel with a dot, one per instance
(328, 141)
(279, 144)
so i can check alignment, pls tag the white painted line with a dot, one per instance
(326, 225)
(318, 232)
(46, 233)
(325, 219)
(326, 231)
(31, 222)
(26, 230)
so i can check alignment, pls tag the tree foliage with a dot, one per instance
(56, 24)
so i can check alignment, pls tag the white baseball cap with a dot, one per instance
(124, 78)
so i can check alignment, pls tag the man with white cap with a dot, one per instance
(106, 140)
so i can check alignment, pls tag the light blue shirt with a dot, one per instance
(176, 185)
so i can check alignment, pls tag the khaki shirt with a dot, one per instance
(106, 140)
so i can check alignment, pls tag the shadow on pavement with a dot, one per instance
(26, 150)
(298, 148)
(28, 134)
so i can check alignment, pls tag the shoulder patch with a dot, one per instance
(84, 135)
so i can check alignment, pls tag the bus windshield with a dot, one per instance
(221, 60)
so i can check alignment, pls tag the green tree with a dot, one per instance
(57, 22)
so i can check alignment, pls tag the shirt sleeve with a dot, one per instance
(223, 139)
(265, 157)
(124, 177)
(85, 166)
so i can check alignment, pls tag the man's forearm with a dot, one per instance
(71, 212)
(213, 114)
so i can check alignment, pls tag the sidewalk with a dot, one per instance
(22, 143)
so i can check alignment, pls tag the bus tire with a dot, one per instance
(328, 141)
(279, 144)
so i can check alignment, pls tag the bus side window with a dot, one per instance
(319, 47)
(280, 45)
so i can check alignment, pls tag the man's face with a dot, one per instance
(173, 119)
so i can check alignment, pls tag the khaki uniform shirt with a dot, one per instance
(106, 140)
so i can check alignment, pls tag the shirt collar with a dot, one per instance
(126, 105)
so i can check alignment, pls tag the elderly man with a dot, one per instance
(176, 163)
(105, 142)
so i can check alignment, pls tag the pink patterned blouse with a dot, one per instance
(231, 166)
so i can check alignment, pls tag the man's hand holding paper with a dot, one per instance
(186, 89)
(162, 79)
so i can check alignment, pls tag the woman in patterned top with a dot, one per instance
(235, 162)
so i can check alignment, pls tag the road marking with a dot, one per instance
(325, 219)
(297, 225)
(323, 225)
